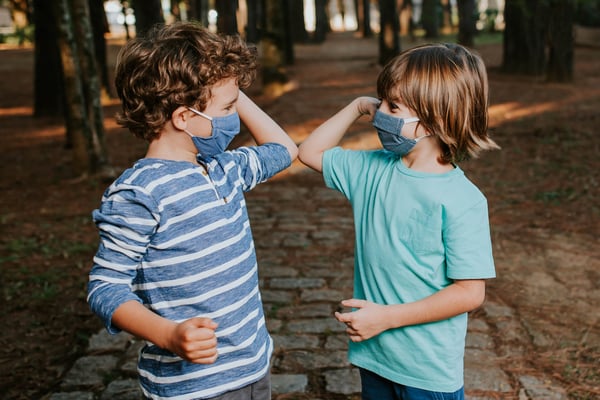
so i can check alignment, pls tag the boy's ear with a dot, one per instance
(180, 117)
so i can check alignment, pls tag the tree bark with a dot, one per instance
(466, 22)
(147, 14)
(296, 16)
(430, 16)
(525, 36)
(389, 37)
(321, 21)
(226, 18)
(82, 90)
(48, 81)
(560, 54)
(273, 44)
(198, 11)
(364, 17)
(252, 25)
(99, 28)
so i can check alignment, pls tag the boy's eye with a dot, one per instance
(393, 106)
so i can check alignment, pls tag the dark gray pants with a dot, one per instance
(260, 390)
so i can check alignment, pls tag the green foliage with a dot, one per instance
(19, 37)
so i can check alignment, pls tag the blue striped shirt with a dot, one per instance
(176, 237)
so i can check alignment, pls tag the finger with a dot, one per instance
(355, 338)
(204, 344)
(354, 303)
(202, 322)
(342, 317)
(204, 358)
(351, 332)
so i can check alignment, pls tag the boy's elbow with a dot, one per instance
(310, 158)
(302, 154)
(478, 296)
(479, 299)
(293, 151)
(474, 293)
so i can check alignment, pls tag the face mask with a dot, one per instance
(223, 131)
(389, 129)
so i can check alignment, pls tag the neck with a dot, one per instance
(172, 147)
(426, 157)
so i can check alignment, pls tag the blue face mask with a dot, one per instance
(389, 129)
(224, 129)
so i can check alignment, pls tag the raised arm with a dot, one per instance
(262, 127)
(330, 132)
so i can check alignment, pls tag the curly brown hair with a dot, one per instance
(446, 85)
(176, 65)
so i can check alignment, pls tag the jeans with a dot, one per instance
(375, 387)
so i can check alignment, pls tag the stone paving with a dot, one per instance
(304, 239)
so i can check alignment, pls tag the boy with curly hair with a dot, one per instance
(176, 264)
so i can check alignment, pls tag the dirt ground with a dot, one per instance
(542, 187)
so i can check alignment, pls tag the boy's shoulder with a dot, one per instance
(145, 171)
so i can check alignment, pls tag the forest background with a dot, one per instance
(63, 147)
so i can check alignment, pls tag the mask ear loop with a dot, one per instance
(416, 119)
(208, 117)
(410, 120)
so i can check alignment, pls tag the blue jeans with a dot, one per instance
(375, 387)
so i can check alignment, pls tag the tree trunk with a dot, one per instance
(389, 37)
(273, 44)
(321, 21)
(82, 89)
(147, 14)
(430, 16)
(466, 22)
(252, 25)
(48, 82)
(363, 12)
(525, 37)
(99, 28)
(285, 30)
(226, 16)
(90, 77)
(198, 11)
(560, 55)
(296, 16)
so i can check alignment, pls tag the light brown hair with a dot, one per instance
(176, 65)
(447, 87)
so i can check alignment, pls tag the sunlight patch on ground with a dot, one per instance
(514, 110)
(16, 112)
(508, 111)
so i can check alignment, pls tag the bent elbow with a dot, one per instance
(473, 293)
(478, 297)
(293, 151)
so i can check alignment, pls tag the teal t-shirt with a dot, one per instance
(415, 233)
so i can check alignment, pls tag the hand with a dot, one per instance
(368, 320)
(194, 340)
(367, 106)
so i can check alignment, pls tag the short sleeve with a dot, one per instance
(468, 244)
(338, 165)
